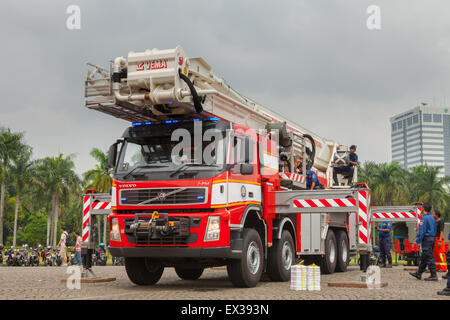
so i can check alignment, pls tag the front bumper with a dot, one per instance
(177, 252)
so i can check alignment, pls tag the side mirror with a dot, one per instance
(246, 169)
(112, 155)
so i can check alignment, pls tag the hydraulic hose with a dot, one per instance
(197, 100)
(310, 161)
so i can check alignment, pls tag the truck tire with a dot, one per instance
(189, 273)
(329, 261)
(246, 272)
(142, 272)
(281, 258)
(343, 254)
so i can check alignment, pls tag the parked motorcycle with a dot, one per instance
(21, 258)
(100, 253)
(101, 260)
(58, 257)
(50, 257)
(34, 258)
(94, 259)
(72, 257)
(10, 257)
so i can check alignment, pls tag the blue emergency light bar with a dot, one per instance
(137, 124)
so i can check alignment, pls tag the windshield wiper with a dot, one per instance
(145, 166)
(187, 165)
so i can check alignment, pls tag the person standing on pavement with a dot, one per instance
(439, 246)
(384, 233)
(62, 243)
(78, 248)
(446, 290)
(426, 237)
(448, 261)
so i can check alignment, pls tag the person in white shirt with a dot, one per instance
(62, 243)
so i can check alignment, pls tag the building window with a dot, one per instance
(399, 124)
(409, 121)
(426, 117)
(394, 126)
(416, 119)
(437, 118)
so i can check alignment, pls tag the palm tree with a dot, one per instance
(21, 171)
(57, 175)
(10, 143)
(426, 186)
(388, 182)
(99, 179)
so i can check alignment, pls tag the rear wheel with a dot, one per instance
(281, 258)
(246, 272)
(329, 261)
(189, 273)
(343, 256)
(143, 271)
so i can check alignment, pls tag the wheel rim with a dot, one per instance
(344, 252)
(332, 254)
(286, 255)
(253, 258)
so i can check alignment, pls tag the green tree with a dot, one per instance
(57, 175)
(99, 179)
(22, 174)
(388, 182)
(10, 144)
(34, 231)
(426, 186)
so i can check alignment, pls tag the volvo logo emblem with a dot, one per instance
(162, 195)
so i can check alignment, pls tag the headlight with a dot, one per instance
(114, 235)
(213, 229)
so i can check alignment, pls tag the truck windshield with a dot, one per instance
(187, 150)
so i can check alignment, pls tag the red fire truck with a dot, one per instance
(207, 177)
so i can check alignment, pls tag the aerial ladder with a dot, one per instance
(166, 84)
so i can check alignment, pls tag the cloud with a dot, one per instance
(312, 61)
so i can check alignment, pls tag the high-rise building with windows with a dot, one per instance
(422, 135)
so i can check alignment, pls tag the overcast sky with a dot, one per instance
(314, 61)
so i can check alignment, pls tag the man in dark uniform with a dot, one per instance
(384, 233)
(439, 245)
(426, 237)
(350, 169)
(312, 182)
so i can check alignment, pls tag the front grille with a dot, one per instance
(163, 196)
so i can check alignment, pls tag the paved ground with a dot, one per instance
(44, 283)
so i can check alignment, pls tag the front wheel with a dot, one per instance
(246, 271)
(189, 273)
(143, 271)
(281, 258)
